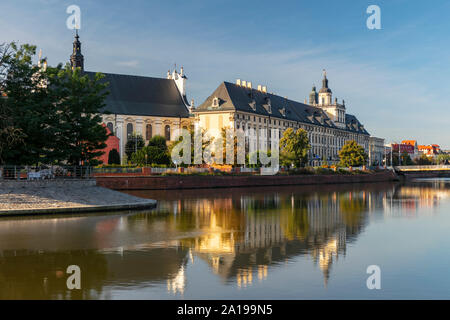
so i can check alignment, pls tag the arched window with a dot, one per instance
(167, 132)
(129, 130)
(110, 126)
(148, 131)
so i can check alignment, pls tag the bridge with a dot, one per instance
(423, 171)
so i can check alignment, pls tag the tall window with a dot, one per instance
(167, 132)
(110, 126)
(129, 130)
(148, 131)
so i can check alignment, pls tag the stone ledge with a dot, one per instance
(76, 183)
(150, 204)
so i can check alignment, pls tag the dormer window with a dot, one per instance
(268, 106)
(283, 112)
(253, 105)
(215, 103)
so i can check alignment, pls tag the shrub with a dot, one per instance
(113, 157)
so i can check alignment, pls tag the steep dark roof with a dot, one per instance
(353, 124)
(143, 96)
(238, 98)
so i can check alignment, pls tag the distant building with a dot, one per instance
(412, 143)
(376, 151)
(430, 150)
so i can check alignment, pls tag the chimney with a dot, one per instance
(238, 82)
(249, 85)
(244, 83)
(264, 89)
(259, 87)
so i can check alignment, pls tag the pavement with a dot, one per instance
(29, 199)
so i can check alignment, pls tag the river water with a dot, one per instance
(305, 242)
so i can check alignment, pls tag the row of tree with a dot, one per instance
(48, 115)
(294, 150)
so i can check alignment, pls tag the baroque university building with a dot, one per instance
(150, 106)
(240, 106)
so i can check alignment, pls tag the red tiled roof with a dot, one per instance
(410, 142)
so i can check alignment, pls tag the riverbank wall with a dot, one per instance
(211, 181)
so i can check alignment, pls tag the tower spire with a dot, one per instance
(325, 80)
(77, 59)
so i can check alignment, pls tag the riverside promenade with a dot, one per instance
(63, 197)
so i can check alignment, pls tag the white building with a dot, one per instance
(239, 105)
(144, 106)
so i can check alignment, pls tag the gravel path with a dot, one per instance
(62, 197)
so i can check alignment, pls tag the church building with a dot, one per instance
(145, 106)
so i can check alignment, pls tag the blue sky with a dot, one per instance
(395, 80)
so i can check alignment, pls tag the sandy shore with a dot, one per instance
(58, 198)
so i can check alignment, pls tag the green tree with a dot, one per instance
(78, 99)
(26, 106)
(423, 160)
(352, 155)
(155, 153)
(134, 143)
(405, 159)
(294, 147)
(55, 111)
(9, 134)
(443, 158)
(113, 157)
(205, 143)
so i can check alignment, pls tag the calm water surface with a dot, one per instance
(258, 243)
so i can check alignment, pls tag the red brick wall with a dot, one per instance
(193, 182)
(111, 143)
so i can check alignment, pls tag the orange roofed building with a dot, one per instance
(431, 150)
(414, 147)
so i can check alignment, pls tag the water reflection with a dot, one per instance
(240, 235)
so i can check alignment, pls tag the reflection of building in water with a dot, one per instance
(318, 225)
(241, 237)
(177, 283)
(410, 200)
(325, 255)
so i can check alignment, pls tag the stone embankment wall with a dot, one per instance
(195, 182)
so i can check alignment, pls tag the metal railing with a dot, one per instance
(117, 170)
(45, 172)
(162, 170)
